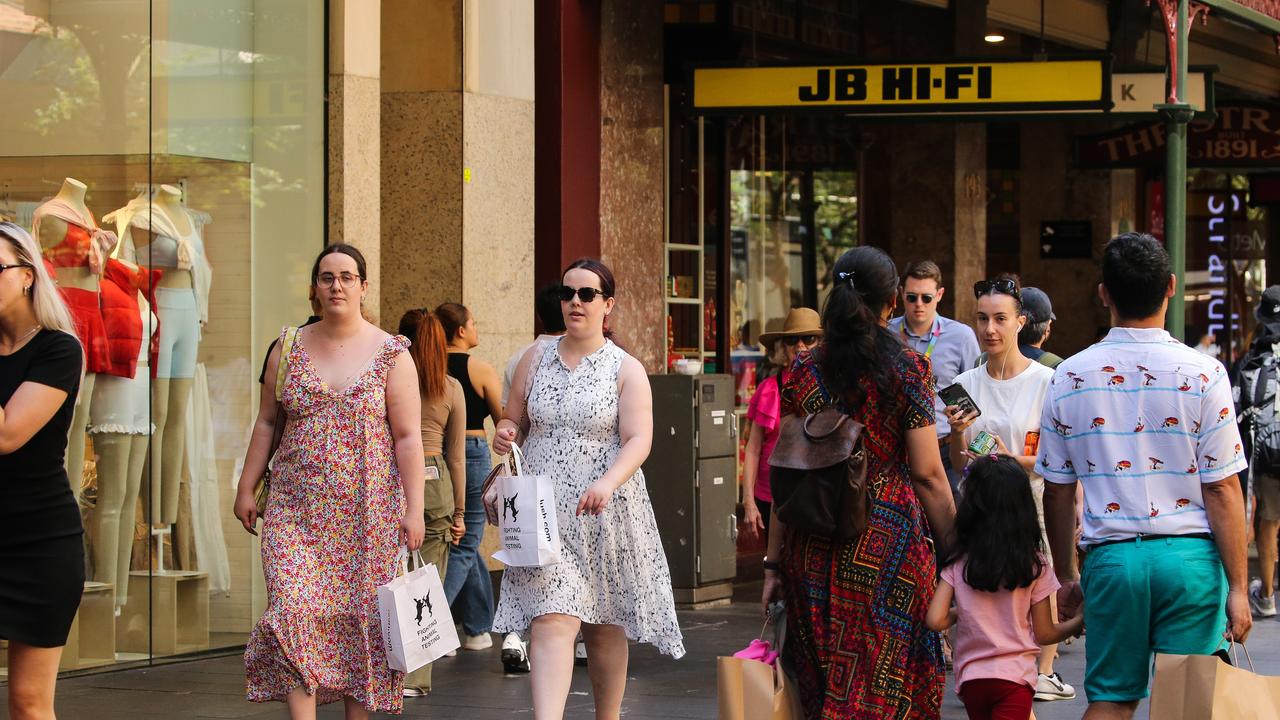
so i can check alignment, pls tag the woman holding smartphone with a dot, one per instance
(1008, 390)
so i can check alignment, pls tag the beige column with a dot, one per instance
(970, 217)
(354, 130)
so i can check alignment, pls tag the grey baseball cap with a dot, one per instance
(1036, 305)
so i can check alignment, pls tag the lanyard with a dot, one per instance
(933, 340)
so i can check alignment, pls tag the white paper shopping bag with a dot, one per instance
(526, 510)
(417, 627)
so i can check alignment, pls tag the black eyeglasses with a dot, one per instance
(585, 294)
(1001, 285)
(6, 267)
(793, 340)
(926, 298)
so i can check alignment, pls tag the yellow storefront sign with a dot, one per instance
(912, 88)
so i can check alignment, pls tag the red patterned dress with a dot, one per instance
(855, 611)
(329, 539)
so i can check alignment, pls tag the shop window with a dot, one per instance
(195, 131)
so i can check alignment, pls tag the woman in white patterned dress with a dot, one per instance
(589, 425)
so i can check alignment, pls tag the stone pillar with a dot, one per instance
(970, 239)
(354, 176)
(631, 166)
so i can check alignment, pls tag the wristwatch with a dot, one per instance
(771, 565)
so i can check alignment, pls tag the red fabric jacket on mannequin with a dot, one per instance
(125, 332)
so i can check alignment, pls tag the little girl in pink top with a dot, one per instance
(997, 573)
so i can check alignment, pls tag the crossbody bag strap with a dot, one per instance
(282, 374)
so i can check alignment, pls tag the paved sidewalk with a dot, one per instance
(472, 685)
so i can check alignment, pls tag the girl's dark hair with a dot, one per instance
(996, 530)
(452, 316)
(601, 271)
(854, 342)
(429, 351)
(344, 249)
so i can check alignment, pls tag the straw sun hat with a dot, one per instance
(800, 321)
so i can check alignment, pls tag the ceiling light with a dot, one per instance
(994, 36)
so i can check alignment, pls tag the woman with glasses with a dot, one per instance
(856, 636)
(346, 495)
(41, 549)
(468, 587)
(588, 423)
(1009, 390)
(799, 333)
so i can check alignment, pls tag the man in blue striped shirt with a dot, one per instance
(1146, 425)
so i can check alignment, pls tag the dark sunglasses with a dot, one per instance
(793, 340)
(1003, 285)
(585, 294)
(927, 299)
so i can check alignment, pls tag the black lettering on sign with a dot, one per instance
(851, 84)
(957, 77)
(984, 82)
(1126, 92)
(923, 83)
(895, 83)
(820, 91)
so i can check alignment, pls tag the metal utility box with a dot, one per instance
(692, 478)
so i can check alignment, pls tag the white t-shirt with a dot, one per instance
(1010, 408)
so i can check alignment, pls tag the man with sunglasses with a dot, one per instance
(950, 346)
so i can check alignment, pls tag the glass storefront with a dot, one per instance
(195, 132)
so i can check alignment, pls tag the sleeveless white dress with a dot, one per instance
(612, 570)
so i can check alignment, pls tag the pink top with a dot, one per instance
(993, 638)
(765, 410)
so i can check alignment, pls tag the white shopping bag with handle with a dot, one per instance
(417, 627)
(525, 506)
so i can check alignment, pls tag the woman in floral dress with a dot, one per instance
(346, 493)
(856, 639)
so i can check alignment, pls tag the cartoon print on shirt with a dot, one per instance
(1169, 422)
(1123, 465)
(1148, 379)
(1142, 425)
(1209, 461)
(1181, 503)
(1091, 465)
(1068, 465)
(1143, 368)
(1239, 449)
(1154, 511)
(1156, 463)
(1108, 369)
(1195, 426)
(1185, 386)
(1223, 414)
(1097, 423)
(1111, 507)
(1192, 469)
(1116, 380)
(1063, 430)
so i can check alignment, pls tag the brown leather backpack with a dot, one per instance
(819, 476)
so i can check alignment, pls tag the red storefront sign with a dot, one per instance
(1242, 135)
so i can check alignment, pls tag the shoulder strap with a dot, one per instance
(1260, 385)
(282, 368)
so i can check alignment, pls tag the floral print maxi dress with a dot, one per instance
(856, 639)
(330, 537)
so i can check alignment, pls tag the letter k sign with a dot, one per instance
(1126, 92)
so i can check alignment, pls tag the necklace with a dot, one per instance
(23, 339)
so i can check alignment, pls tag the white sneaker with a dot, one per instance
(477, 642)
(515, 654)
(1262, 607)
(1051, 687)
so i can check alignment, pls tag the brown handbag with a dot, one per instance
(819, 475)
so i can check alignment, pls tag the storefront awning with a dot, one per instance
(1262, 14)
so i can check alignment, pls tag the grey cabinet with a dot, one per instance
(692, 475)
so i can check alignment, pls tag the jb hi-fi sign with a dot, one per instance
(1241, 135)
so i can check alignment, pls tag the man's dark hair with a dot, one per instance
(1135, 272)
(1033, 333)
(547, 305)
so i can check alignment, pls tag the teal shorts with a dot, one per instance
(1165, 595)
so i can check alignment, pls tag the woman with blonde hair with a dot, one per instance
(444, 433)
(41, 550)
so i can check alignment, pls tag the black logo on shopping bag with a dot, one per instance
(423, 602)
(509, 503)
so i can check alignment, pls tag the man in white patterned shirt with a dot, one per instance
(1147, 426)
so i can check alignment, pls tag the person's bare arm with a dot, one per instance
(635, 426)
(487, 382)
(30, 408)
(929, 478)
(941, 615)
(1225, 506)
(750, 467)
(1048, 632)
(257, 455)
(509, 427)
(1060, 526)
(455, 456)
(404, 413)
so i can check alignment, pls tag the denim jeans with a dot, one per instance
(467, 585)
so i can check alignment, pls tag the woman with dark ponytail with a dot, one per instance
(867, 598)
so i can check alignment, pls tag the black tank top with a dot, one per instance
(477, 408)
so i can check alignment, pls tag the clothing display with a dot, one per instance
(123, 404)
(187, 253)
(330, 537)
(78, 249)
(613, 570)
(856, 637)
(41, 539)
(477, 408)
(125, 289)
(180, 336)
